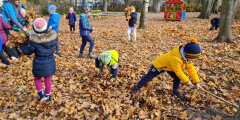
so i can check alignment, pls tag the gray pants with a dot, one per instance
(57, 44)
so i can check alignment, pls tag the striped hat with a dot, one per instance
(192, 50)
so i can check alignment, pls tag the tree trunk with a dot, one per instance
(224, 34)
(143, 16)
(206, 9)
(215, 6)
(104, 9)
(156, 6)
(126, 3)
(235, 3)
(76, 3)
(84, 1)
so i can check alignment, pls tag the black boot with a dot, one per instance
(48, 99)
(178, 94)
(42, 95)
(134, 89)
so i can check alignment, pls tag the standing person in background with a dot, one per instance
(72, 20)
(85, 30)
(132, 22)
(53, 24)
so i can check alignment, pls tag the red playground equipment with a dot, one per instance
(175, 10)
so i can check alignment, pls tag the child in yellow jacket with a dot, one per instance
(179, 58)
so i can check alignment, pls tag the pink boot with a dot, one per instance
(70, 32)
(74, 32)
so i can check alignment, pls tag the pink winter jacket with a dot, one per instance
(2, 33)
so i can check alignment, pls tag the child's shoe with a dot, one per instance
(81, 56)
(178, 94)
(4, 65)
(70, 32)
(58, 53)
(74, 32)
(90, 55)
(48, 99)
(42, 95)
(134, 89)
(14, 59)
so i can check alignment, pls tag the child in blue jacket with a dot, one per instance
(72, 20)
(85, 30)
(53, 23)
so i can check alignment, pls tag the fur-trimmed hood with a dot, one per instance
(43, 38)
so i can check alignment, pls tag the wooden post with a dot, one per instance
(165, 7)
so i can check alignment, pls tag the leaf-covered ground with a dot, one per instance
(78, 94)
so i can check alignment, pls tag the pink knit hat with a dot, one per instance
(40, 25)
(22, 11)
(71, 9)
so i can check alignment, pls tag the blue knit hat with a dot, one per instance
(52, 8)
(192, 50)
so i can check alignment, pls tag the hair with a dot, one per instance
(16, 7)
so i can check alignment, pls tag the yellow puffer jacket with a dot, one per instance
(173, 61)
(114, 57)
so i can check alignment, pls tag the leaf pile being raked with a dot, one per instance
(78, 94)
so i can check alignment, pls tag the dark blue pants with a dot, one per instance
(4, 59)
(214, 24)
(153, 72)
(86, 39)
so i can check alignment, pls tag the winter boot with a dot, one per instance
(134, 89)
(178, 94)
(90, 55)
(48, 99)
(42, 95)
(81, 56)
(70, 32)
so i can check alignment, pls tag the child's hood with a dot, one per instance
(176, 51)
(44, 38)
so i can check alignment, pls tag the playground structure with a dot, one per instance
(175, 10)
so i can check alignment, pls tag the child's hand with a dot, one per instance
(190, 83)
(50, 28)
(198, 86)
(112, 79)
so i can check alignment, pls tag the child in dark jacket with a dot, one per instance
(72, 20)
(42, 44)
(179, 58)
(85, 30)
(215, 23)
(53, 23)
(109, 58)
(132, 22)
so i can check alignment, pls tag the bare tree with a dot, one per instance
(234, 8)
(227, 10)
(143, 16)
(76, 3)
(156, 6)
(104, 9)
(126, 3)
(206, 9)
(215, 6)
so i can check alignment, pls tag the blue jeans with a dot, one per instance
(153, 72)
(86, 39)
